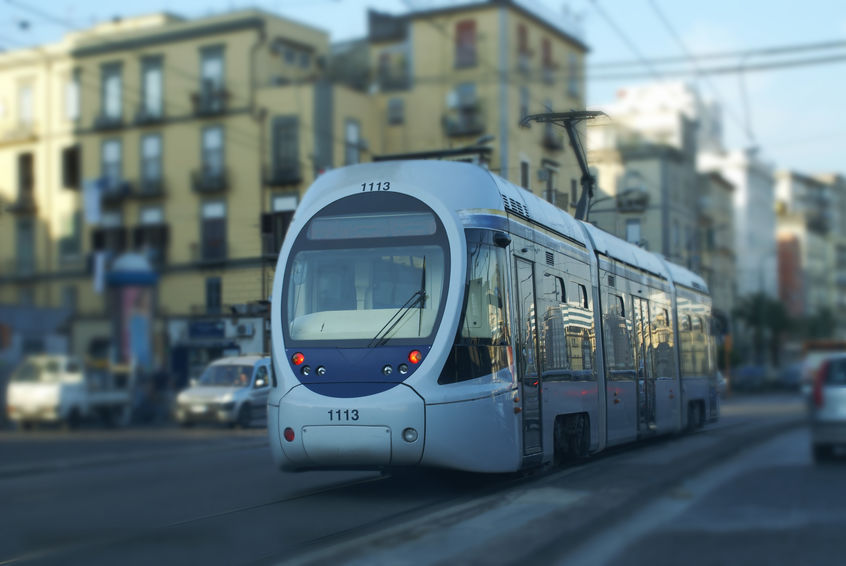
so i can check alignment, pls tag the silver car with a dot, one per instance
(827, 403)
(230, 390)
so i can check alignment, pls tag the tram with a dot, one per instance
(431, 313)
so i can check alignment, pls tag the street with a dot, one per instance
(743, 490)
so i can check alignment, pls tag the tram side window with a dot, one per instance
(618, 339)
(581, 344)
(700, 347)
(481, 347)
(662, 339)
(484, 320)
(686, 345)
(553, 309)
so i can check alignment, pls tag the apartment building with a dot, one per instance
(149, 167)
(465, 76)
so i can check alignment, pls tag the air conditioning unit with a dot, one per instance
(245, 330)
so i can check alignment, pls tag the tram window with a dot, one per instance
(662, 340)
(484, 318)
(583, 297)
(618, 340)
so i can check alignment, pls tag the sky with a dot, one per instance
(793, 114)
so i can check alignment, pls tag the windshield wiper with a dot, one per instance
(418, 297)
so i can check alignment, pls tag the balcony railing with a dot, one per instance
(149, 188)
(146, 117)
(210, 181)
(210, 101)
(116, 192)
(468, 121)
(24, 205)
(283, 174)
(393, 80)
(108, 122)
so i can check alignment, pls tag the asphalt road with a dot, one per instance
(741, 491)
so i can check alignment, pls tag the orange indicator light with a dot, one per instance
(298, 358)
(415, 356)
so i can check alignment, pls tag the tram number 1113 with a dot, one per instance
(343, 415)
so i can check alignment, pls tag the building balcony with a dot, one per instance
(24, 205)
(107, 122)
(21, 132)
(552, 139)
(115, 193)
(393, 80)
(468, 121)
(207, 181)
(144, 117)
(149, 189)
(210, 101)
(209, 252)
(283, 174)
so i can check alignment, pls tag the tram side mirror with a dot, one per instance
(502, 239)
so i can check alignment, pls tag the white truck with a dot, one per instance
(58, 389)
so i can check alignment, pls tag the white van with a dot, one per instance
(47, 389)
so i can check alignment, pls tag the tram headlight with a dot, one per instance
(387, 370)
(403, 368)
(409, 435)
(321, 371)
(305, 370)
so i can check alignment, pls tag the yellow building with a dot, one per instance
(178, 150)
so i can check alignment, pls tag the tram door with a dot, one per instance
(527, 358)
(645, 371)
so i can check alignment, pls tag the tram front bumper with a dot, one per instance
(385, 429)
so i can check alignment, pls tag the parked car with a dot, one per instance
(827, 407)
(790, 376)
(47, 389)
(230, 390)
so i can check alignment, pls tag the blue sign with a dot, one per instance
(206, 329)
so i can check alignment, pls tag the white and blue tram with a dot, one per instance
(430, 313)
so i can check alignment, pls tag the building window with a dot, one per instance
(151, 162)
(211, 67)
(112, 91)
(547, 61)
(70, 167)
(72, 97)
(70, 243)
(522, 39)
(26, 105)
(151, 85)
(213, 295)
(524, 174)
(465, 43)
(214, 231)
(274, 225)
(151, 234)
(110, 164)
(25, 246)
(573, 71)
(396, 111)
(213, 150)
(286, 151)
(111, 235)
(633, 230)
(524, 101)
(26, 178)
(352, 141)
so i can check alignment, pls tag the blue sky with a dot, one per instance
(796, 114)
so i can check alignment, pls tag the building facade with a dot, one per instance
(179, 149)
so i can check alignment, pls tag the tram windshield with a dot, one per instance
(366, 278)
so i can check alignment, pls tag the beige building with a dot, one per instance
(149, 167)
(807, 227)
(647, 190)
(717, 261)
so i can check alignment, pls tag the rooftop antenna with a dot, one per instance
(568, 121)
